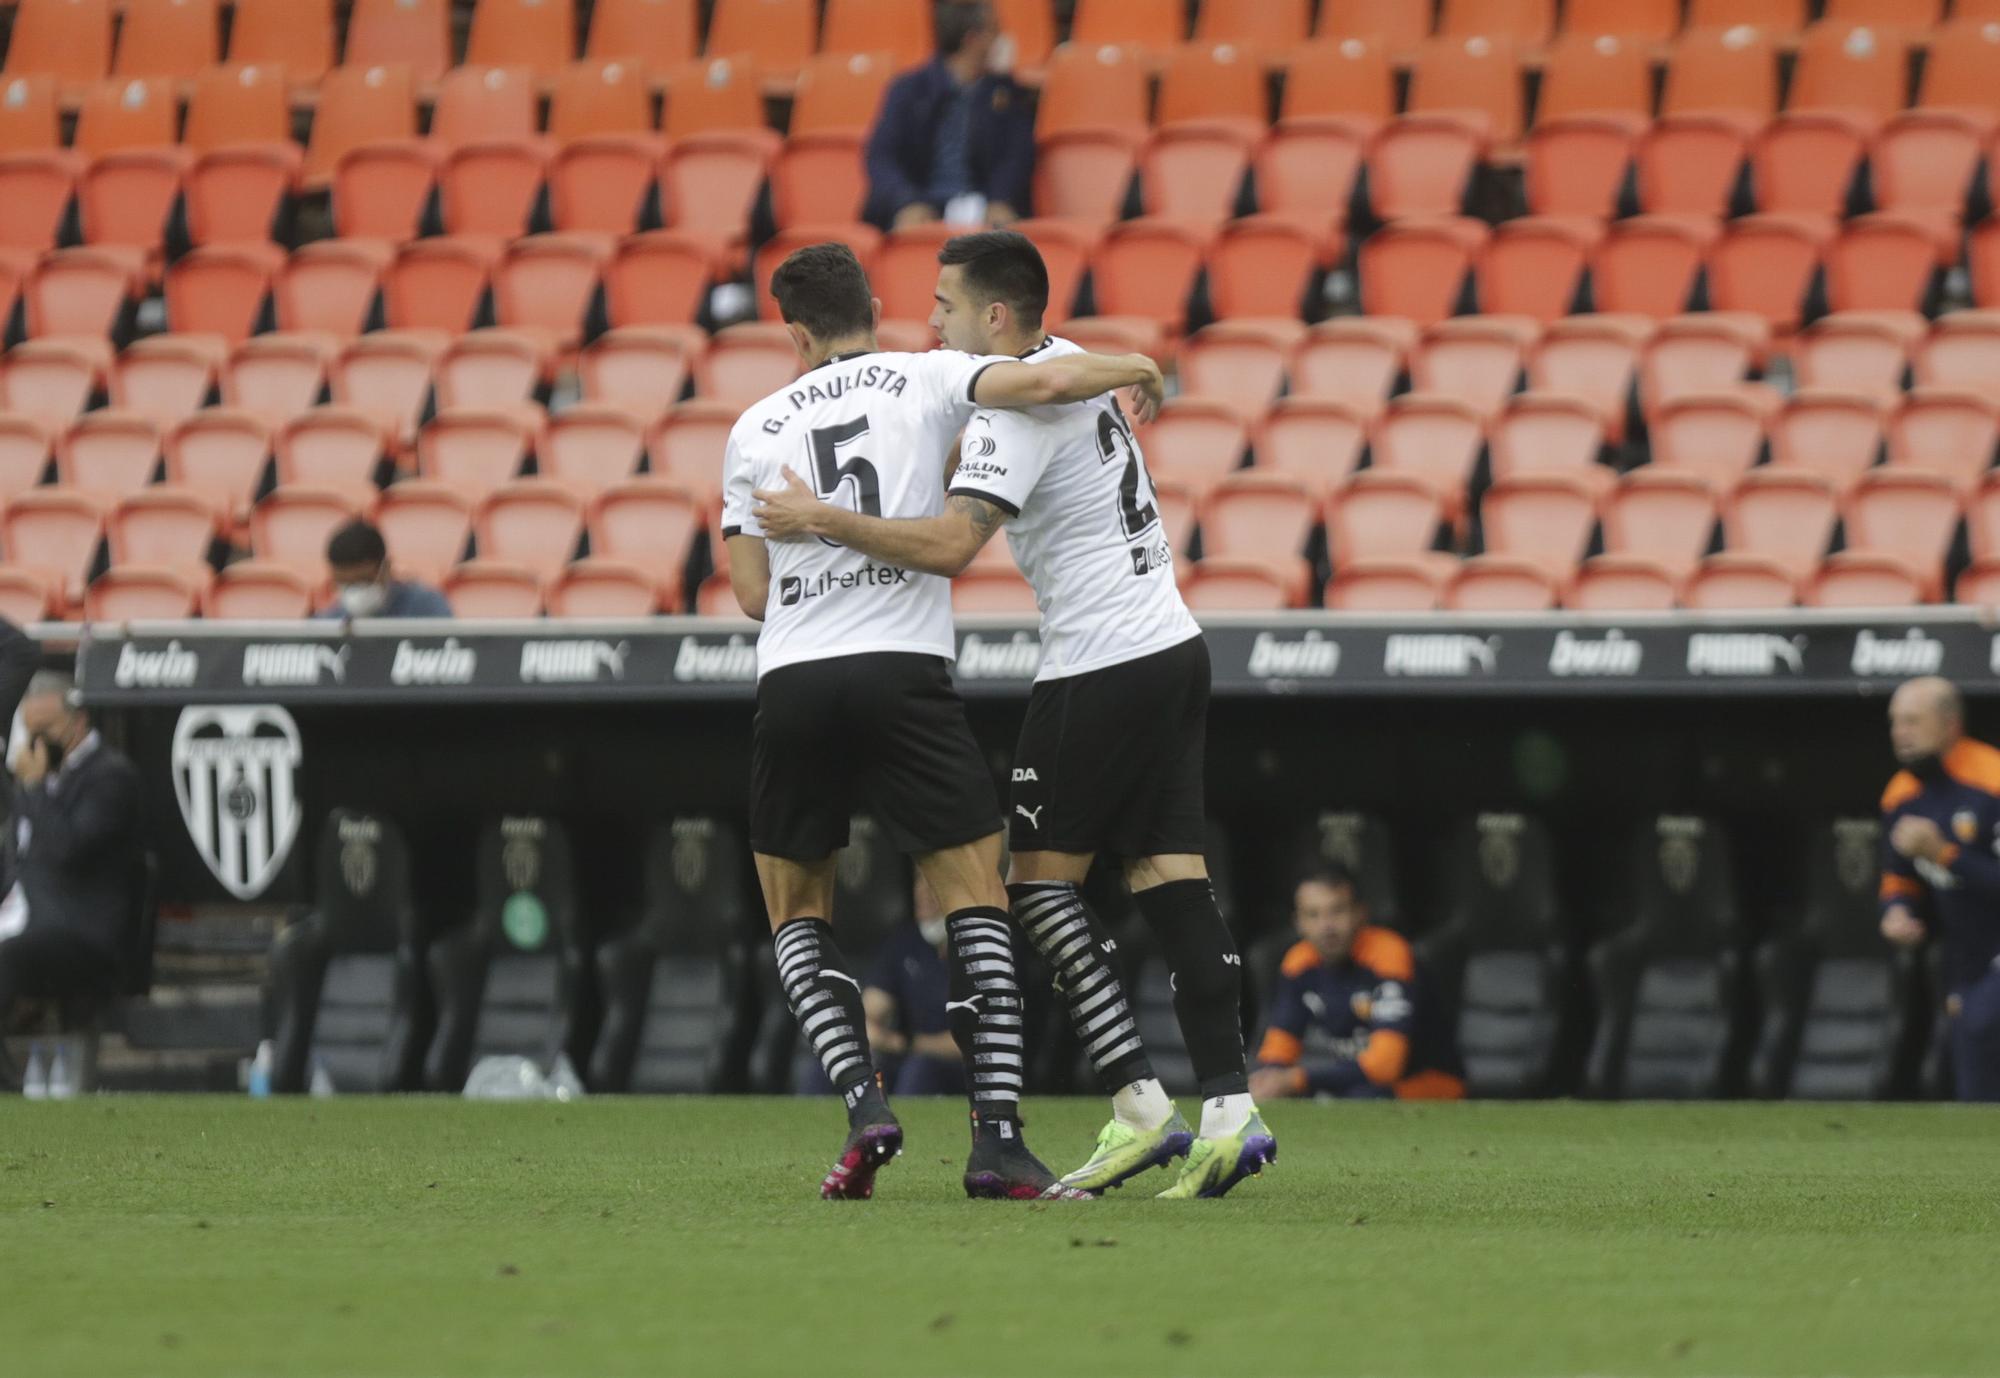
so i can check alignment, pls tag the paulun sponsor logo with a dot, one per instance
(234, 777)
(173, 666)
(1018, 657)
(294, 663)
(1310, 656)
(705, 662)
(1751, 654)
(572, 662)
(1912, 653)
(1443, 655)
(1613, 654)
(450, 663)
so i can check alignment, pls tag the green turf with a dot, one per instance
(209, 1237)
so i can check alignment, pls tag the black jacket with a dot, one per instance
(1000, 145)
(85, 840)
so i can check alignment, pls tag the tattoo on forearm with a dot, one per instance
(986, 518)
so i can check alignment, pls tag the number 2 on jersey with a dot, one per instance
(1137, 509)
(829, 472)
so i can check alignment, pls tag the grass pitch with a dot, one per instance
(212, 1237)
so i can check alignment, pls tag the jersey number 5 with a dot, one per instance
(1136, 510)
(829, 472)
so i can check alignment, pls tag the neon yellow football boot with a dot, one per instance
(1214, 1166)
(1123, 1153)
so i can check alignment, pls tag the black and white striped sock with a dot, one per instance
(826, 1000)
(983, 1009)
(1077, 949)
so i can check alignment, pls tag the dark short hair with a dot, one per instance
(959, 20)
(1331, 874)
(1003, 266)
(356, 543)
(823, 288)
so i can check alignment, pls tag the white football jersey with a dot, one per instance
(868, 432)
(1084, 527)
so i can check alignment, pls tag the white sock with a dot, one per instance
(1222, 1116)
(1142, 1105)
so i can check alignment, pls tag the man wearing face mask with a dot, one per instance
(78, 838)
(1941, 860)
(955, 139)
(364, 585)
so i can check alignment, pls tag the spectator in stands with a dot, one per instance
(1355, 985)
(364, 584)
(904, 998)
(1941, 822)
(78, 840)
(954, 141)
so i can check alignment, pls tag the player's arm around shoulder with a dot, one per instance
(943, 545)
(1013, 383)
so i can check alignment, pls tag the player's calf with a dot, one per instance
(825, 999)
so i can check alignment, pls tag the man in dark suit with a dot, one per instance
(953, 140)
(78, 840)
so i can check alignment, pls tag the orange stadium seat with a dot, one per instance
(686, 446)
(1851, 69)
(653, 33)
(333, 449)
(1238, 585)
(1353, 361)
(478, 450)
(491, 589)
(1317, 443)
(1549, 433)
(1477, 78)
(221, 454)
(590, 447)
(1771, 16)
(1594, 358)
(54, 535)
(139, 592)
(1534, 266)
(221, 290)
(166, 377)
(1731, 582)
(717, 95)
(1962, 70)
(80, 292)
(123, 200)
(1597, 76)
(437, 284)
(1423, 166)
(35, 194)
(295, 36)
(109, 453)
(26, 448)
(904, 270)
(1577, 166)
(168, 38)
(329, 286)
(1621, 583)
(1262, 266)
(252, 590)
(1386, 585)
(290, 527)
(426, 527)
(546, 282)
(1213, 83)
(660, 277)
(411, 33)
(358, 105)
(1476, 359)
(69, 40)
(609, 102)
(1861, 352)
(1433, 438)
(1526, 22)
(51, 381)
(604, 588)
(1982, 522)
(650, 525)
(167, 528)
(899, 28)
(1982, 258)
(1697, 353)
(1654, 20)
(1194, 442)
(1147, 268)
(1980, 583)
(127, 114)
(1665, 518)
(744, 363)
(1395, 24)
(1904, 14)
(1260, 516)
(1947, 432)
(1786, 517)
(1494, 583)
(382, 189)
(1963, 350)
(388, 373)
(1764, 264)
(1099, 88)
(1837, 435)
(777, 35)
(1713, 435)
(1866, 579)
(30, 120)
(1806, 164)
(819, 179)
(1922, 163)
(536, 34)
(1307, 171)
(1908, 514)
(231, 106)
(489, 189)
(643, 369)
(1546, 520)
(1029, 26)
(238, 195)
(1242, 364)
(1384, 515)
(1348, 82)
(1418, 269)
(1273, 26)
(1729, 70)
(1194, 173)
(1084, 176)
(1155, 24)
(1883, 262)
(1690, 165)
(839, 93)
(491, 368)
(478, 104)
(532, 523)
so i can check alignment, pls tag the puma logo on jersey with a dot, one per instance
(1034, 818)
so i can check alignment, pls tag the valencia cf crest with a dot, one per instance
(1964, 825)
(235, 777)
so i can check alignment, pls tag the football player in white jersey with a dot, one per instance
(1110, 755)
(855, 704)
